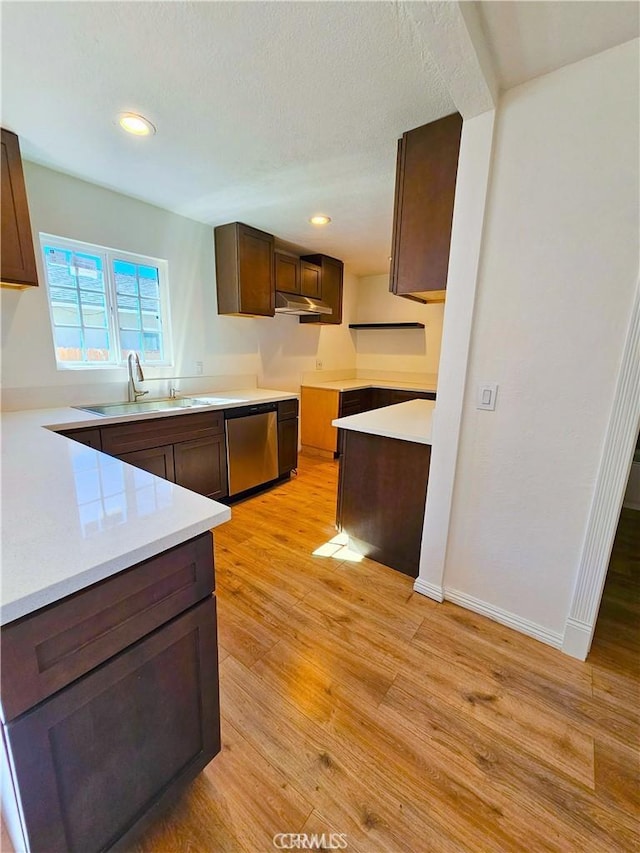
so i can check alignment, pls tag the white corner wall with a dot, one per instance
(275, 350)
(559, 265)
(409, 350)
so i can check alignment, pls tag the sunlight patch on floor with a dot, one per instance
(337, 549)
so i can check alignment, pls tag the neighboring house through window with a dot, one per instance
(104, 304)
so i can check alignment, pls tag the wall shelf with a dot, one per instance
(386, 325)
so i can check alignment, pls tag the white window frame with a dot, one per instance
(108, 256)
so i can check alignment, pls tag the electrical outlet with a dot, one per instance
(318, 364)
(199, 368)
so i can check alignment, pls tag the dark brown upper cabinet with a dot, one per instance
(244, 270)
(18, 265)
(287, 273)
(310, 279)
(427, 167)
(296, 275)
(331, 276)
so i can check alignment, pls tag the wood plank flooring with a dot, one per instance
(351, 704)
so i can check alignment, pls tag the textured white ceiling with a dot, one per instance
(528, 39)
(267, 112)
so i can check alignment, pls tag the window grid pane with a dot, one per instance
(139, 311)
(78, 305)
(103, 305)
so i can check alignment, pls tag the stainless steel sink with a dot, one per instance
(146, 406)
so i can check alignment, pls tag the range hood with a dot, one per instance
(293, 303)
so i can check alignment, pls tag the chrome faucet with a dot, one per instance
(134, 393)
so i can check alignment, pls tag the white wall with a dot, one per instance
(276, 350)
(559, 265)
(411, 350)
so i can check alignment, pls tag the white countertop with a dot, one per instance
(356, 384)
(74, 418)
(410, 421)
(72, 516)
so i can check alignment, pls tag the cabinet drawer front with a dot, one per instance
(354, 402)
(97, 756)
(90, 437)
(140, 435)
(287, 409)
(49, 649)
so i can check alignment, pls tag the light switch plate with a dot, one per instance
(487, 393)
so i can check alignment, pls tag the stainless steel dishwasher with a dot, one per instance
(252, 446)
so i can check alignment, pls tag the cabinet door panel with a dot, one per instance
(287, 273)
(18, 255)
(201, 466)
(331, 277)
(257, 292)
(310, 280)
(287, 445)
(332, 291)
(426, 183)
(49, 649)
(94, 758)
(155, 460)
(381, 498)
(245, 279)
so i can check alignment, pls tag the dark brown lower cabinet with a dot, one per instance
(201, 465)
(155, 460)
(90, 767)
(382, 491)
(287, 436)
(366, 399)
(188, 449)
(88, 437)
(287, 446)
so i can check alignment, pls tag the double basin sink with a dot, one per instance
(167, 405)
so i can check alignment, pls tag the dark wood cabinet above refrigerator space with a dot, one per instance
(18, 255)
(426, 174)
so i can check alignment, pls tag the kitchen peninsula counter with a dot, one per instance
(382, 487)
(411, 421)
(73, 516)
(109, 642)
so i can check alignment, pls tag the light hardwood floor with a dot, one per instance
(352, 705)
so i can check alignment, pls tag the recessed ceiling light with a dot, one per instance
(136, 124)
(320, 219)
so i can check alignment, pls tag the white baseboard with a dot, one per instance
(431, 590)
(504, 617)
(577, 639)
